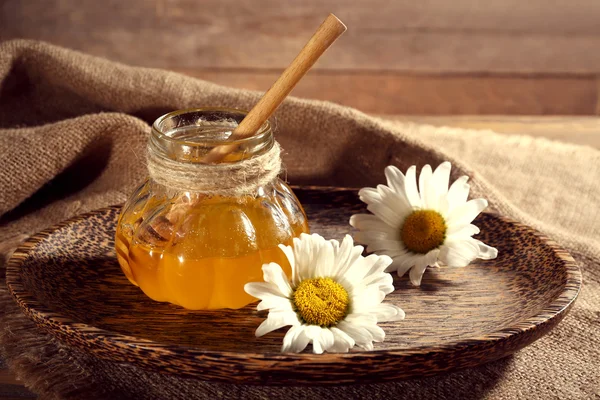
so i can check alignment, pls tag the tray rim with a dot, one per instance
(63, 327)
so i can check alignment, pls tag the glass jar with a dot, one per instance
(197, 248)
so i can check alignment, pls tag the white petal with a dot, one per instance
(360, 335)
(412, 193)
(458, 193)
(322, 258)
(277, 320)
(404, 263)
(368, 222)
(441, 178)
(370, 236)
(416, 274)
(342, 341)
(289, 254)
(364, 266)
(462, 231)
(458, 253)
(431, 258)
(295, 340)
(369, 195)
(367, 346)
(365, 299)
(273, 274)
(425, 188)
(314, 333)
(382, 245)
(361, 318)
(301, 340)
(443, 205)
(367, 322)
(377, 332)
(323, 261)
(395, 201)
(326, 339)
(486, 252)
(355, 272)
(296, 277)
(261, 290)
(395, 179)
(346, 255)
(466, 213)
(386, 214)
(388, 312)
(304, 256)
(378, 263)
(274, 303)
(384, 282)
(437, 189)
(390, 253)
(402, 269)
(317, 348)
(270, 295)
(288, 339)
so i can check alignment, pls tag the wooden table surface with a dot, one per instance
(579, 130)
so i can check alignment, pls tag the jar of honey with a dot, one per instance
(195, 232)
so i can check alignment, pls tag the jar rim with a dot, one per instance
(158, 133)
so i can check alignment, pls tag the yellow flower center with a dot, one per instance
(423, 231)
(321, 301)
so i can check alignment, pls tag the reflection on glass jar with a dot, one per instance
(197, 248)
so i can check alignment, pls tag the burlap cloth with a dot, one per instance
(72, 136)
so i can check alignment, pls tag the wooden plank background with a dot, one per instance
(398, 57)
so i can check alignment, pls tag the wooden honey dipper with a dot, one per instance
(328, 32)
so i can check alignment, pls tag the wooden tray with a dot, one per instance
(68, 281)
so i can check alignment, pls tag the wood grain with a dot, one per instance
(11, 388)
(329, 31)
(506, 15)
(68, 281)
(433, 57)
(391, 93)
(7, 378)
(434, 36)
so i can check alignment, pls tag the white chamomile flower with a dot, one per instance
(424, 226)
(334, 299)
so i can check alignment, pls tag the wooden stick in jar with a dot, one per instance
(328, 32)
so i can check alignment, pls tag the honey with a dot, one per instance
(213, 250)
(198, 250)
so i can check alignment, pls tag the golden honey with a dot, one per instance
(198, 250)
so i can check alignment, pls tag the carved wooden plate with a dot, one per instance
(68, 281)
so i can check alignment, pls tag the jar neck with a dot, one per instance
(189, 135)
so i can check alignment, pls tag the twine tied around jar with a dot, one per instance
(238, 178)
